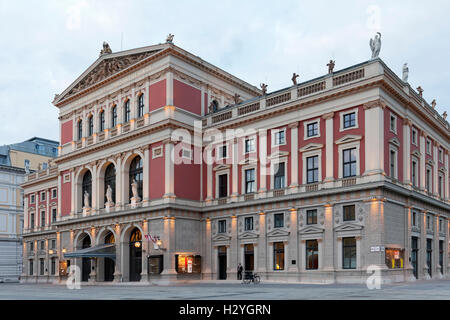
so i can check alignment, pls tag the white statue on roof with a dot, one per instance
(405, 72)
(375, 45)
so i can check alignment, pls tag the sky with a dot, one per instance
(46, 44)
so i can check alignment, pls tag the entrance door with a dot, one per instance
(429, 255)
(248, 257)
(86, 262)
(222, 263)
(414, 255)
(109, 269)
(135, 255)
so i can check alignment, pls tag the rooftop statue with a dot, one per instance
(375, 45)
(331, 65)
(405, 72)
(106, 49)
(420, 90)
(294, 78)
(433, 103)
(263, 88)
(444, 115)
(169, 38)
(236, 98)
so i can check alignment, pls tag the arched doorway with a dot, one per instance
(135, 255)
(109, 264)
(86, 262)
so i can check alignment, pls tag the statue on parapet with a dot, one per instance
(405, 73)
(169, 38)
(263, 88)
(106, 49)
(330, 66)
(294, 78)
(375, 45)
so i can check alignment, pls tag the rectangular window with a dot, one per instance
(222, 226)
(43, 196)
(349, 213)
(349, 163)
(441, 186)
(278, 220)
(31, 267)
(250, 181)
(278, 256)
(349, 253)
(312, 255)
(393, 123)
(429, 223)
(312, 129)
(429, 255)
(42, 245)
(42, 218)
(441, 255)
(441, 155)
(311, 216)
(429, 146)
(54, 215)
(223, 185)
(32, 199)
(279, 137)
(114, 117)
(279, 177)
(428, 180)
(222, 150)
(440, 225)
(414, 136)
(414, 219)
(393, 164)
(249, 145)
(102, 121)
(349, 120)
(248, 223)
(53, 244)
(31, 246)
(54, 193)
(414, 173)
(32, 220)
(312, 169)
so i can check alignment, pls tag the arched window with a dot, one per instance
(91, 125)
(126, 111)
(110, 238)
(102, 121)
(136, 235)
(141, 105)
(114, 116)
(80, 129)
(86, 186)
(136, 174)
(110, 179)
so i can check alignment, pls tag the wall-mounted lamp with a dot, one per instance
(64, 250)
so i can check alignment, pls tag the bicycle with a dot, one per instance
(249, 276)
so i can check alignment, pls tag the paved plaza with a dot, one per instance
(229, 291)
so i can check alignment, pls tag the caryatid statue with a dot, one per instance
(109, 198)
(405, 72)
(375, 45)
(134, 189)
(86, 199)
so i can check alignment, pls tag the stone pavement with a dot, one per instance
(230, 290)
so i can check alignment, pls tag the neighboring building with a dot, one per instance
(325, 178)
(14, 159)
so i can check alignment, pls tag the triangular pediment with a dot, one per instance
(395, 142)
(348, 138)
(349, 227)
(416, 153)
(248, 161)
(221, 167)
(311, 229)
(221, 237)
(248, 235)
(279, 154)
(311, 146)
(278, 233)
(430, 162)
(105, 67)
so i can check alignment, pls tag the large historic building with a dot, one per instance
(15, 161)
(171, 168)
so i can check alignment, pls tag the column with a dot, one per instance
(374, 138)
(207, 263)
(436, 265)
(73, 199)
(169, 89)
(169, 244)
(407, 152)
(59, 197)
(209, 174)
(262, 245)
(145, 251)
(422, 266)
(117, 269)
(145, 171)
(329, 153)
(294, 155)
(26, 214)
(262, 162)
(375, 232)
(234, 250)
(94, 191)
(408, 224)
(293, 241)
(169, 171)
(328, 240)
(119, 195)
(235, 174)
(422, 161)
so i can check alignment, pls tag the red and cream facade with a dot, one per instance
(365, 179)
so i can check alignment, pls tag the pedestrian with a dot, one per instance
(239, 271)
